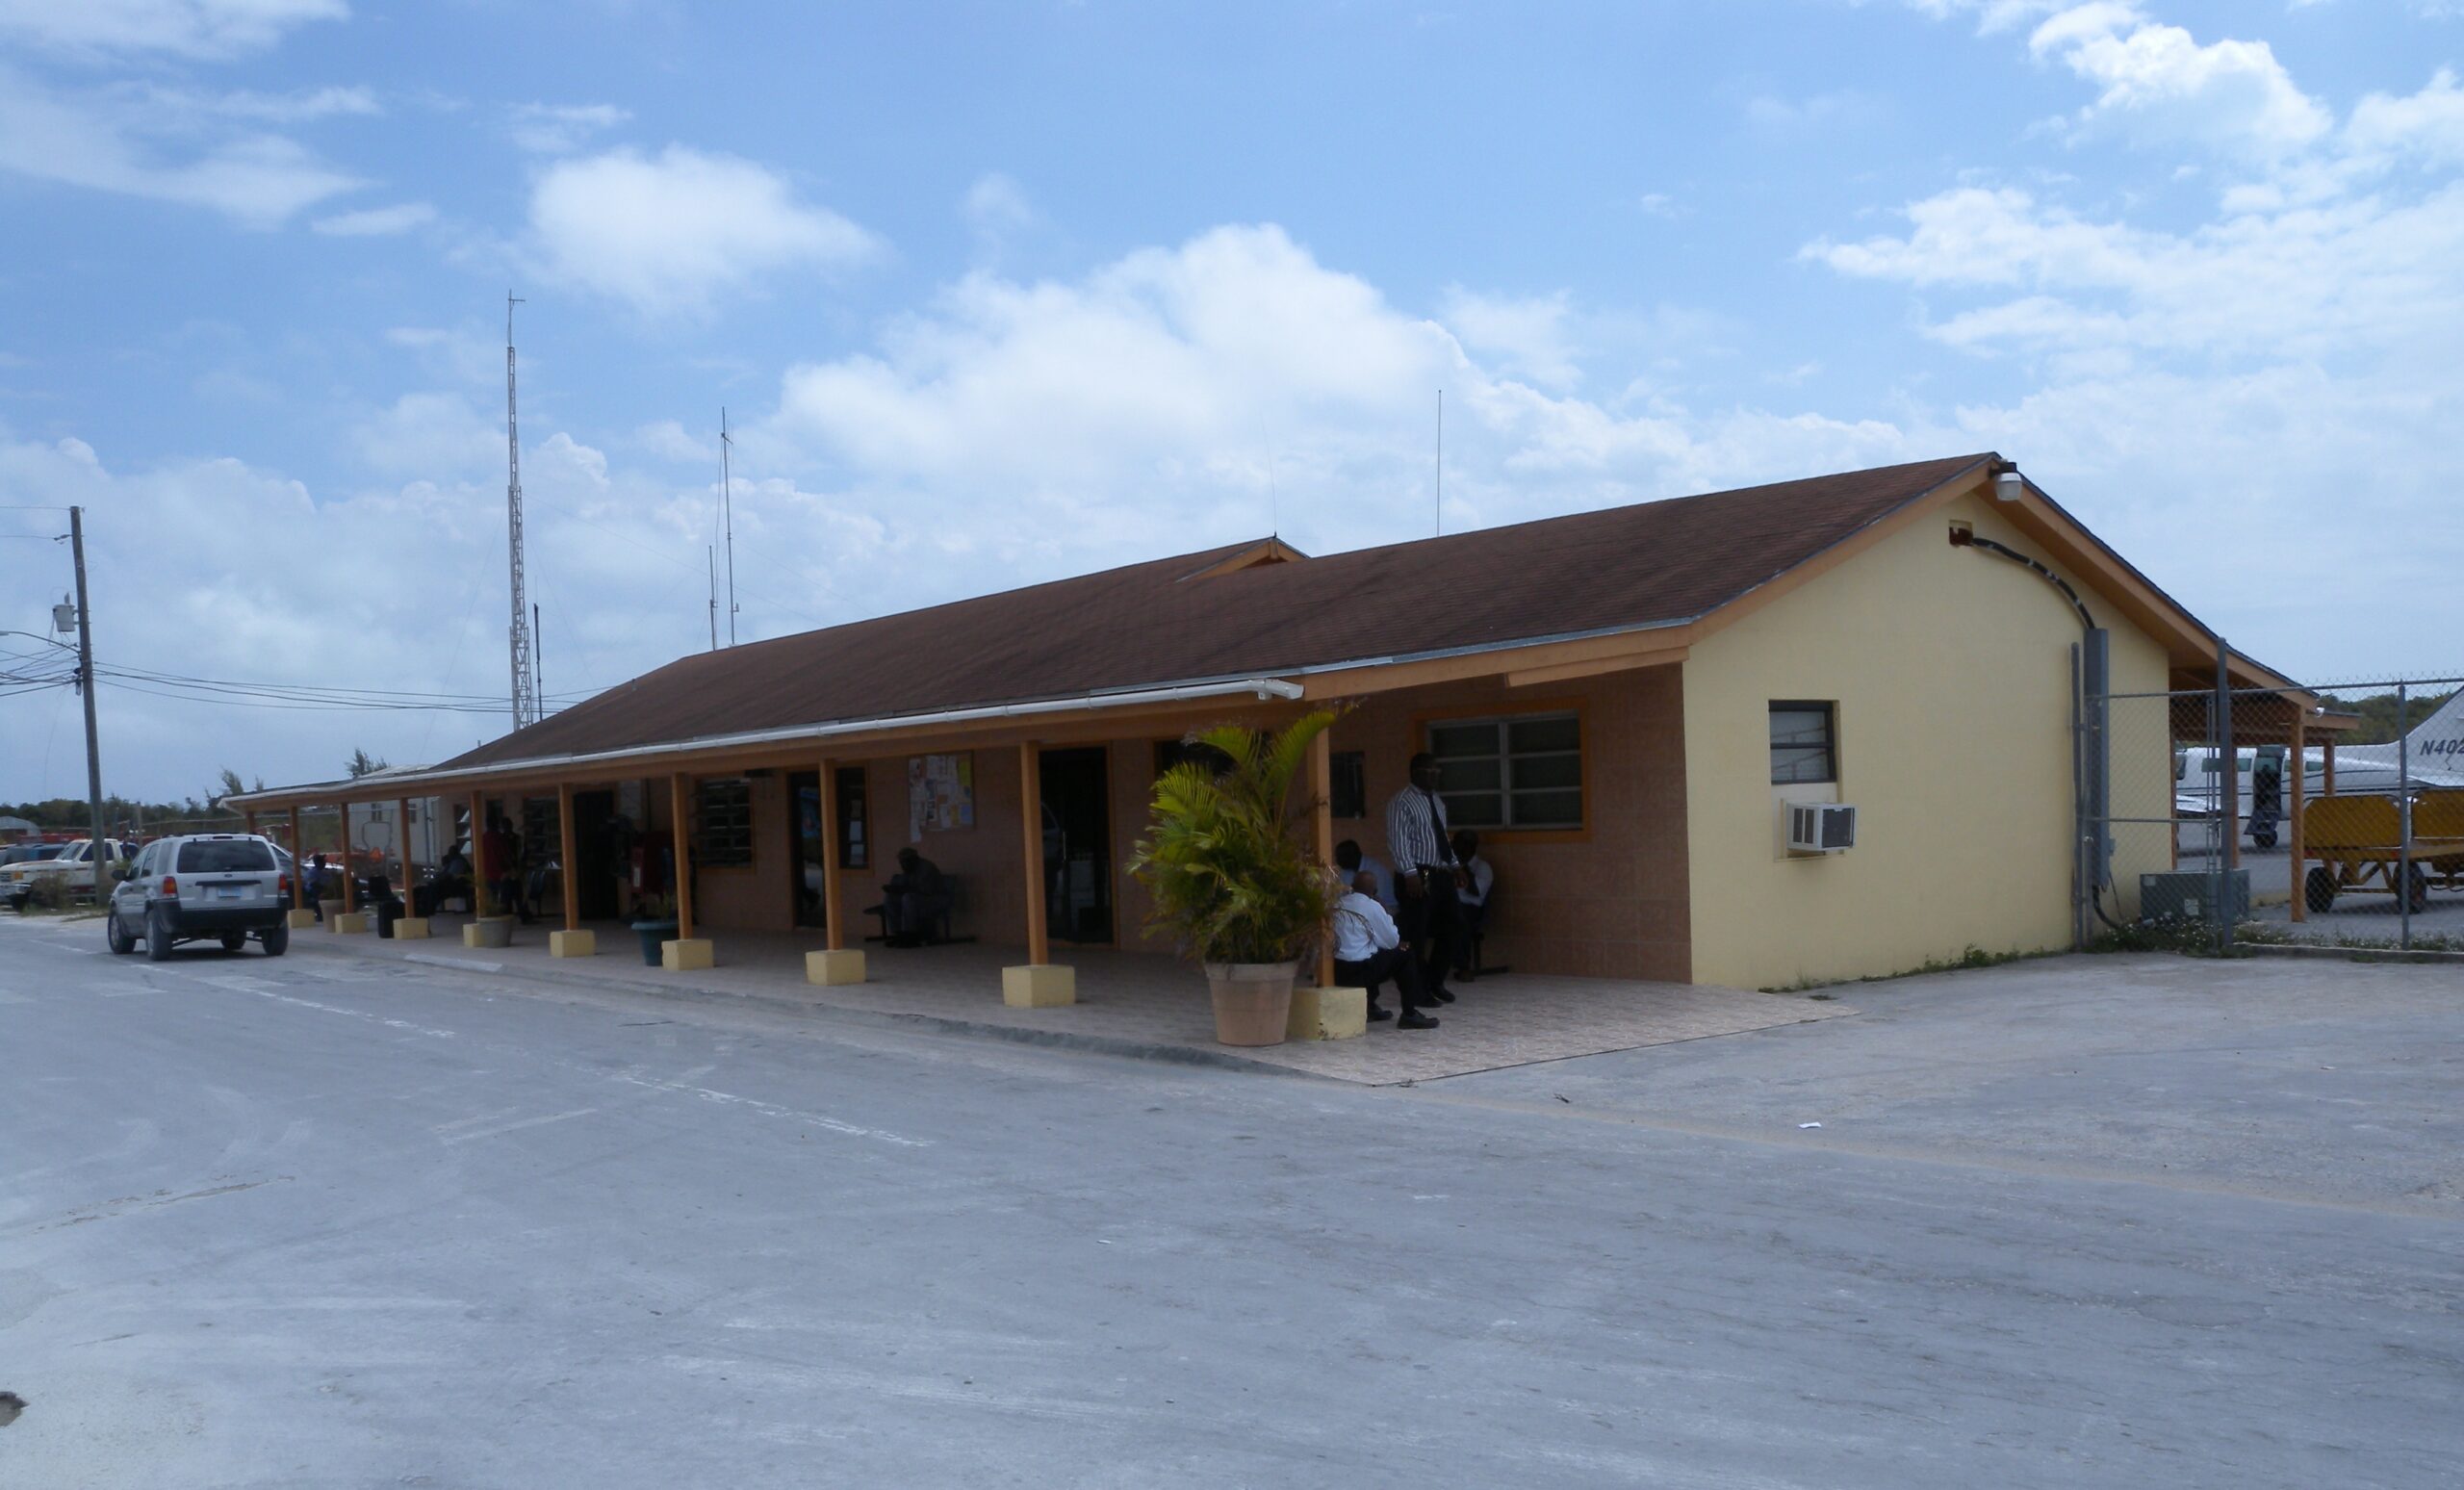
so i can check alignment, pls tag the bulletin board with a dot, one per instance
(941, 793)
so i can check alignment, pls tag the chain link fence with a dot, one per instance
(2329, 813)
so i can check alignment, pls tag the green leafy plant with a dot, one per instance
(1224, 855)
(660, 907)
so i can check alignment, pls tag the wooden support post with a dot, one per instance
(833, 925)
(2327, 755)
(566, 860)
(1031, 848)
(298, 867)
(402, 841)
(1322, 818)
(2297, 767)
(479, 870)
(341, 826)
(682, 836)
(252, 820)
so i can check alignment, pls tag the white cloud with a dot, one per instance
(2425, 128)
(1529, 336)
(193, 28)
(100, 143)
(997, 212)
(431, 437)
(555, 129)
(1198, 394)
(2160, 85)
(668, 440)
(376, 222)
(674, 233)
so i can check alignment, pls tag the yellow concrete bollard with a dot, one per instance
(410, 928)
(834, 969)
(573, 944)
(688, 954)
(347, 923)
(1327, 1013)
(1039, 986)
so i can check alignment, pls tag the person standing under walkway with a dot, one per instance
(1425, 871)
(1369, 951)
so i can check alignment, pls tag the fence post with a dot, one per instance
(2405, 815)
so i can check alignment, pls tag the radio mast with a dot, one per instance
(526, 693)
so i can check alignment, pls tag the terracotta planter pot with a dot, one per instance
(1252, 1001)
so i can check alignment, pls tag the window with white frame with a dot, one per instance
(1515, 771)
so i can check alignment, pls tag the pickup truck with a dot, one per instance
(71, 871)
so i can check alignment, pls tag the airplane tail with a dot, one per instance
(2439, 741)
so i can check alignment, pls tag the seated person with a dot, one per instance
(1472, 894)
(1351, 862)
(1369, 951)
(452, 880)
(914, 899)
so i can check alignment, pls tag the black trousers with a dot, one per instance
(1389, 964)
(907, 913)
(1432, 920)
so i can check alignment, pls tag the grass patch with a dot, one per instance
(1971, 956)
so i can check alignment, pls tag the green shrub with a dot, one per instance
(1224, 855)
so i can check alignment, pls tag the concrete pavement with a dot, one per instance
(326, 1222)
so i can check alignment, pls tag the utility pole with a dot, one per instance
(85, 686)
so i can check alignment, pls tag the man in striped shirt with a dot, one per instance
(1425, 874)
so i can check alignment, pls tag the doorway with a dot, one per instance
(805, 858)
(596, 844)
(1077, 845)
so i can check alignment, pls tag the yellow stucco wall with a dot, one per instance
(1951, 671)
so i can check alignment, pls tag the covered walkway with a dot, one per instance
(1142, 1004)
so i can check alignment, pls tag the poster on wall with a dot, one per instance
(941, 793)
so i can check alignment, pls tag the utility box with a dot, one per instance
(2189, 895)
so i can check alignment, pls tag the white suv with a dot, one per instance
(224, 887)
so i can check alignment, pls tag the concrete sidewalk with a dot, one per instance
(1131, 1004)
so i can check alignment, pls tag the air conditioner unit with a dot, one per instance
(1821, 826)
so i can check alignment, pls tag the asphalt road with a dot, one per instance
(318, 1222)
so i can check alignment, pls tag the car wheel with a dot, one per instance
(2417, 890)
(233, 941)
(158, 935)
(276, 939)
(2265, 838)
(116, 935)
(18, 903)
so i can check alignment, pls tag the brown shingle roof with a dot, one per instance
(1152, 624)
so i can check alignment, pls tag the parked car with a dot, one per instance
(72, 870)
(29, 853)
(221, 887)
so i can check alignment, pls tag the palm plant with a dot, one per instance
(1224, 858)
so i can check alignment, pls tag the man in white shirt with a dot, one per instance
(1369, 950)
(1351, 862)
(1472, 893)
(1425, 874)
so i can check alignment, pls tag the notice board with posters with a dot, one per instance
(941, 793)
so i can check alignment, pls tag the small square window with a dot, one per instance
(1804, 743)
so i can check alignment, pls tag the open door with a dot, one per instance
(1077, 845)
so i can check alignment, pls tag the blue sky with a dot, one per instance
(994, 293)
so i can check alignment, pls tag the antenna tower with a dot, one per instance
(526, 690)
(727, 506)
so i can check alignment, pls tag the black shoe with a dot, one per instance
(1414, 1019)
(1376, 1013)
(1443, 996)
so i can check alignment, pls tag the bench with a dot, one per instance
(940, 935)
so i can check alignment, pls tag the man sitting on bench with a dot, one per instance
(913, 901)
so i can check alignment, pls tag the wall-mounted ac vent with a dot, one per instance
(1821, 826)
